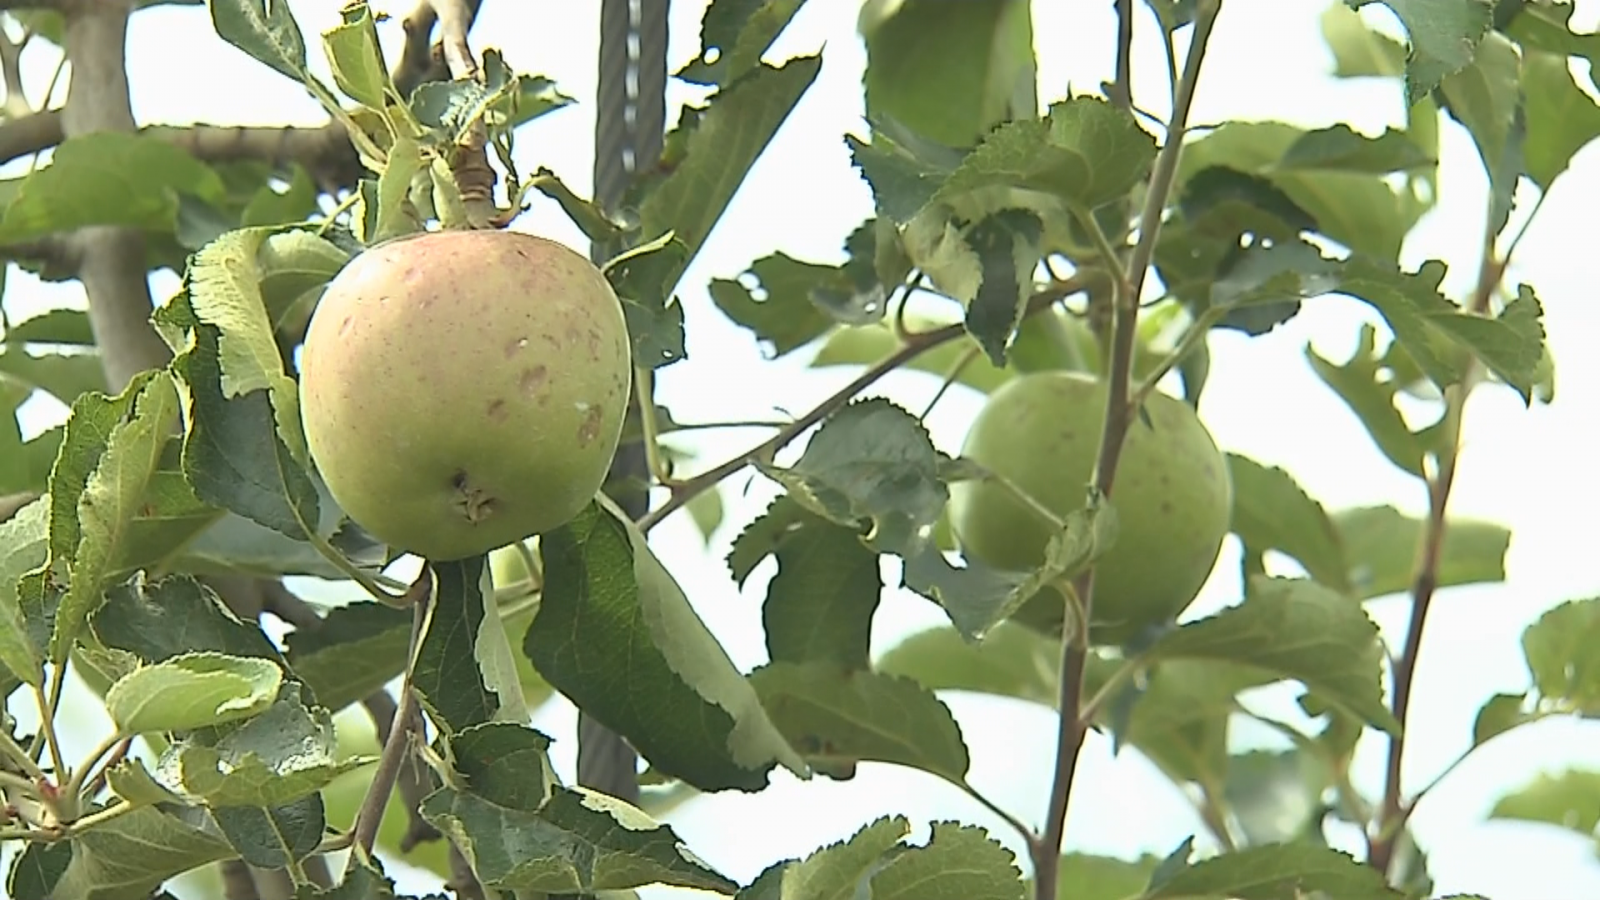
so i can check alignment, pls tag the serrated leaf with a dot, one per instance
(106, 178)
(277, 757)
(127, 857)
(1276, 796)
(1562, 119)
(447, 677)
(1381, 542)
(233, 453)
(1487, 98)
(1181, 719)
(356, 650)
(1560, 648)
(643, 279)
(959, 862)
(356, 59)
(644, 663)
(224, 291)
(1548, 26)
(1294, 629)
(266, 30)
(1007, 247)
(192, 691)
(1358, 50)
(24, 546)
(273, 837)
(1086, 153)
(820, 603)
(1272, 512)
(1274, 872)
(115, 476)
(1569, 799)
(871, 461)
(1084, 876)
(837, 718)
(788, 314)
(733, 36)
(55, 326)
(1443, 37)
(901, 183)
(1341, 148)
(722, 143)
(1368, 384)
(578, 842)
(835, 871)
(1012, 660)
(506, 764)
(65, 376)
(949, 72)
(157, 618)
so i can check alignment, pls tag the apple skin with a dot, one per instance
(463, 390)
(1172, 494)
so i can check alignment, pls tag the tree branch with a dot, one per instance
(1046, 852)
(913, 347)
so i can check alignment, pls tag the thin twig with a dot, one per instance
(1122, 88)
(370, 814)
(1046, 851)
(913, 346)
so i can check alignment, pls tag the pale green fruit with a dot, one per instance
(1172, 494)
(462, 390)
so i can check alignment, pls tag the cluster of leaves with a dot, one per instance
(199, 469)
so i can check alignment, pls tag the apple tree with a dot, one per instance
(370, 375)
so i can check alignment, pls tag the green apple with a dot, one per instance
(462, 390)
(1172, 495)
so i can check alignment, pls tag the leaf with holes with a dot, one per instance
(733, 36)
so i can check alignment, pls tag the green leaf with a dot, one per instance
(275, 758)
(1272, 512)
(871, 461)
(224, 291)
(1381, 546)
(157, 618)
(1358, 50)
(1562, 119)
(1486, 96)
(733, 36)
(1083, 876)
(1340, 148)
(453, 106)
(266, 30)
(1276, 795)
(65, 376)
(1444, 36)
(1007, 247)
(721, 141)
(126, 857)
(273, 837)
(192, 691)
(1294, 629)
(834, 871)
(901, 183)
(632, 653)
(1560, 649)
(24, 546)
(55, 326)
(1273, 872)
(357, 649)
(643, 280)
(106, 178)
(101, 477)
(506, 764)
(356, 58)
(1548, 27)
(949, 71)
(959, 862)
(579, 841)
(1499, 714)
(1182, 718)
(448, 680)
(837, 718)
(1011, 661)
(794, 301)
(1569, 800)
(1359, 209)
(233, 453)
(821, 601)
(1368, 383)
(1086, 152)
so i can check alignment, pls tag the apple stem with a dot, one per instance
(1046, 851)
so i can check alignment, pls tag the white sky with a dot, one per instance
(1530, 470)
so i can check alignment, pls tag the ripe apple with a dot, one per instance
(462, 390)
(1172, 495)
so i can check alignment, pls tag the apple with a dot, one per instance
(1172, 495)
(464, 390)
